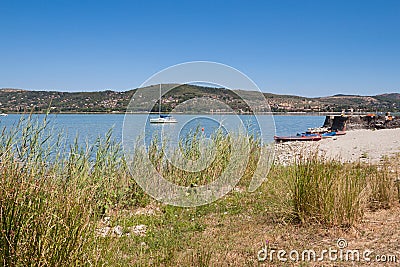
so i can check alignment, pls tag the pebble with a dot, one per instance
(106, 220)
(118, 230)
(289, 152)
(103, 232)
(139, 230)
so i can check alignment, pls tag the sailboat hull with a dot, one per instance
(163, 120)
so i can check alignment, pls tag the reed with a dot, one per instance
(51, 195)
(335, 193)
(191, 148)
(43, 222)
(382, 185)
(327, 192)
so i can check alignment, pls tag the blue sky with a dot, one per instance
(310, 48)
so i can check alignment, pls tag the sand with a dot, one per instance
(357, 145)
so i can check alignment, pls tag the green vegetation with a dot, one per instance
(14, 100)
(54, 202)
(327, 192)
(50, 199)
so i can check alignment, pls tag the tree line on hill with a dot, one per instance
(18, 100)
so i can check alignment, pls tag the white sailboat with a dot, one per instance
(162, 118)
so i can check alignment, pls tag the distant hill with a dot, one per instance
(20, 100)
(16, 100)
(395, 96)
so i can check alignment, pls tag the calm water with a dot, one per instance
(87, 127)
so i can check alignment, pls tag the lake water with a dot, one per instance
(89, 126)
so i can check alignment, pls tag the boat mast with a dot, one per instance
(159, 104)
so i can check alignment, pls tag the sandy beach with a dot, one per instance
(357, 145)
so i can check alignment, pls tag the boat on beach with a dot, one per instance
(318, 130)
(333, 126)
(316, 137)
(328, 134)
(340, 132)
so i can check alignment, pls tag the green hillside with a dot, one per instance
(17, 100)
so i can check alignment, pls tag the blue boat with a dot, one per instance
(328, 134)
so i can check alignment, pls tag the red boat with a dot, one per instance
(297, 138)
(340, 133)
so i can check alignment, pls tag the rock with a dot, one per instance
(139, 230)
(106, 221)
(149, 211)
(238, 189)
(118, 230)
(103, 232)
(290, 152)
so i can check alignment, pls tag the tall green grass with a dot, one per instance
(334, 193)
(190, 147)
(43, 220)
(327, 192)
(382, 183)
(52, 195)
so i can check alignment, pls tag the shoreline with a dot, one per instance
(208, 113)
(362, 145)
